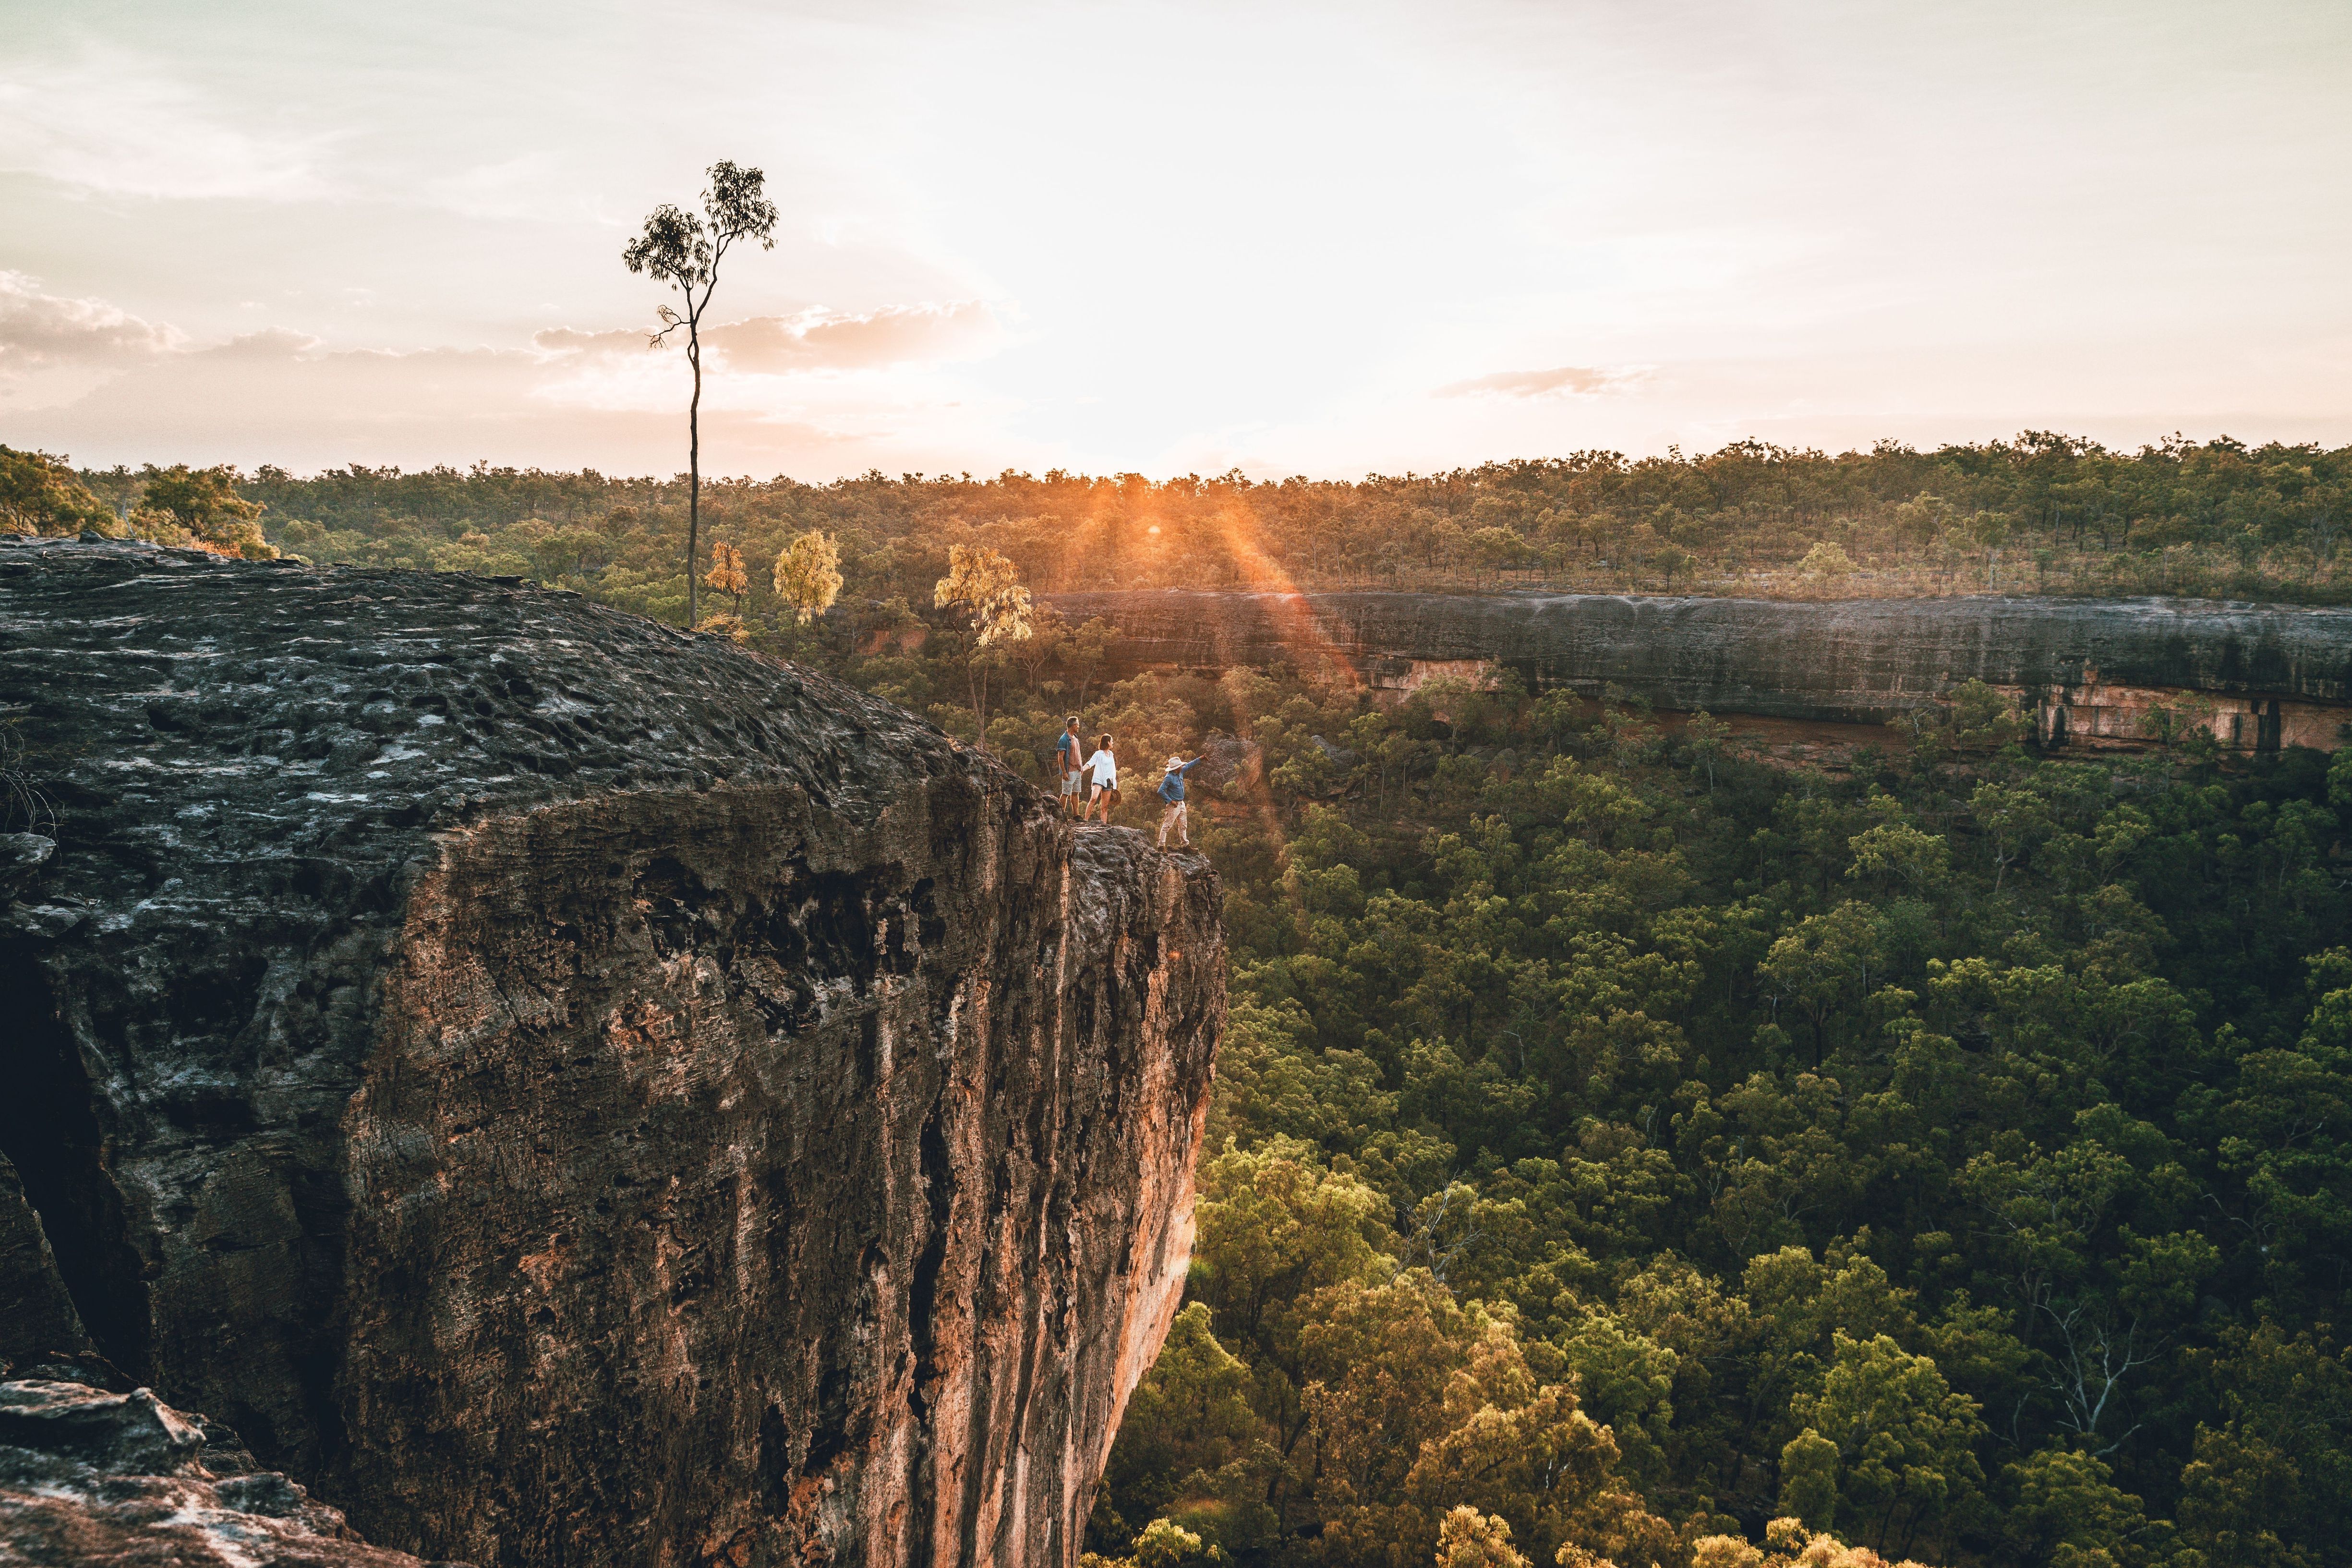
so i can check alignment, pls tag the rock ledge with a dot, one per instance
(565, 1090)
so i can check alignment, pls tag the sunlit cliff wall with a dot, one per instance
(2089, 669)
(570, 1091)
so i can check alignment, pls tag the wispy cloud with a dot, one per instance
(571, 343)
(812, 341)
(56, 350)
(78, 371)
(117, 126)
(897, 334)
(285, 397)
(1564, 381)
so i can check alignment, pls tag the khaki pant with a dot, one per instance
(1178, 818)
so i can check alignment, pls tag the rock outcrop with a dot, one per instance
(567, 1091)
(89, 1477)
(2263, 674)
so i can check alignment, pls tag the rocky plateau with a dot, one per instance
(559, 1090)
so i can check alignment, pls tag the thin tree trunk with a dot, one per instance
(693, 475)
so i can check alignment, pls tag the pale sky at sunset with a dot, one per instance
(1327, 239)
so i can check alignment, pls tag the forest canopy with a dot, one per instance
(1637, 1143)
(2042, 512)
(1629, 1147)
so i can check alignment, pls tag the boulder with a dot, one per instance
(566, 1089)
(91, 1476)
(1338, 756)
(1227, 758)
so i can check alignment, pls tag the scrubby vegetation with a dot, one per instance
(1625, 1149)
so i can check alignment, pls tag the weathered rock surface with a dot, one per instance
(90, 1476)
(2091, 666)
(567, 1091)
(1225, 758)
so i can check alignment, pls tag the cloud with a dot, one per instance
(569, 399)
(1565, 381)
(570, 342)
(282, 396)
(897, 334)
(270, 344)
(116, 126)
(813, 341)
(40, 331)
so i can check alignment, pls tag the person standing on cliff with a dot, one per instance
(1103, 768)
(1066, 753)
(1172, 790)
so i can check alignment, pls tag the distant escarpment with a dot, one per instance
(2090, 669)
(565, 1090)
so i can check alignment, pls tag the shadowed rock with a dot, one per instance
(88, 1476)
(569, 1090)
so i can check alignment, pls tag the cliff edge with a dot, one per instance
(568, 1090)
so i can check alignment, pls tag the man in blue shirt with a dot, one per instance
(1172, 790)
(1069, 752)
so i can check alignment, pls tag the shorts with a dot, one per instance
(1074, 784)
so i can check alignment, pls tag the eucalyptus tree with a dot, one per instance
(808, 574)
(684, 250)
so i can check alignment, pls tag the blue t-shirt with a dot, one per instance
(1172, 786)
(1067, 748)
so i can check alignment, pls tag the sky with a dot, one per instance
(1290, 238)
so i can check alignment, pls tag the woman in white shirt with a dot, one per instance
(1103, 768)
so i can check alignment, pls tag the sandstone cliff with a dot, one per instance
(566, 1090)
(2270, 675)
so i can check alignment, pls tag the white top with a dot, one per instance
(1105, 769)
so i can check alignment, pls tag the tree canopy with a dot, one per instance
(2063, 515)
(40, 494)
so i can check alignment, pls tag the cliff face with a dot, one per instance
(2090, 667)
(571, 1091)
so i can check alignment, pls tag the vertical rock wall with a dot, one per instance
(568, 1091)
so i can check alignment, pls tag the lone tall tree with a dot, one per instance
(684, 250)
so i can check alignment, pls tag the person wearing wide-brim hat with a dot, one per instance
(1172, 790)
